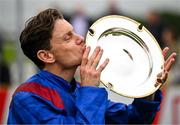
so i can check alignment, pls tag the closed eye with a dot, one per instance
(68, 36)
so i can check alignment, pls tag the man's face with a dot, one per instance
(67, 46)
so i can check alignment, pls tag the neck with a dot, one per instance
(65, 73)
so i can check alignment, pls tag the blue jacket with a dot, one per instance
(46, 98)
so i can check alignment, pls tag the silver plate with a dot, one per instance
(135, 56)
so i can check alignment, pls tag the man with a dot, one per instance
(53, 96)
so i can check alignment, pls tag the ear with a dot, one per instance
(45, 56)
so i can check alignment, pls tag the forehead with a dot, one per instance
(61, 27)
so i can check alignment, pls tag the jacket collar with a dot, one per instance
(58, 81)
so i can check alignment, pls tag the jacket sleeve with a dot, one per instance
(28, 108)
(139, 112)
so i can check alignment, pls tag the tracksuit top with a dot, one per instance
(46, 98)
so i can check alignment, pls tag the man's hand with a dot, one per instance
(90, 74)
(170, 60)
(162, 77)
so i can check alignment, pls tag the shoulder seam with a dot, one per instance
(45, 92)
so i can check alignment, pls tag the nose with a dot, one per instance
(80, 39)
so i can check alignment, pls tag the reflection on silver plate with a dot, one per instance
(135, 56)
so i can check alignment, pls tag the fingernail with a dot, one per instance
(107, 59)
(84, 46)
(173, 60)
(98, 47)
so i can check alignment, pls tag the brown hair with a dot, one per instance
(37, 34)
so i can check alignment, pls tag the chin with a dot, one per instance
(77, 62)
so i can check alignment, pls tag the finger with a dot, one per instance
(173, 55)
(164, 77)
(84, 48)
(97, 59)
(159, 74)
(165, 50)
(85, 56)
(93, 56)
(102, 66)
(169, 64)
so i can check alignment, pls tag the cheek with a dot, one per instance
(70, 53)
(59, 53)
(79, 53)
